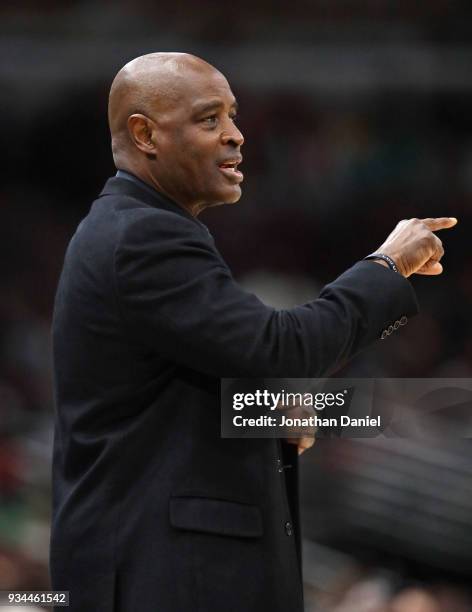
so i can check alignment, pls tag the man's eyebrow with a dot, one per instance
(213, 105)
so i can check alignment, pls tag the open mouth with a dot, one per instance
(230, 169)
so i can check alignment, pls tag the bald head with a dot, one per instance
(149, 85)
(172, 122)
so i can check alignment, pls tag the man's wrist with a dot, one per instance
(381, 262)
(383, 259)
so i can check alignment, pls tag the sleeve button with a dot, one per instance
(288, 528)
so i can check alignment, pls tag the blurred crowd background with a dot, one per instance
(356, 114)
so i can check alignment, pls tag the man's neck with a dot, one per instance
(147, 183)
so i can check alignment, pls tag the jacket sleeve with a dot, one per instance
(177, 296)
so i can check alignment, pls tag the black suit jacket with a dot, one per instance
(153, 511)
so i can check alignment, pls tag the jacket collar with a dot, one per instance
(135, 188)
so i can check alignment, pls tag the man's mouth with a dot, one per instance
(230, 169)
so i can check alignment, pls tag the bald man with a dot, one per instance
(153, 510)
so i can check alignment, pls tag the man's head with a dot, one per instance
(172, 124)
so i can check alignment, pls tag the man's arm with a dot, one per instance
(178, 296)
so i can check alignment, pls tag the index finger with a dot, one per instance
(439, 223)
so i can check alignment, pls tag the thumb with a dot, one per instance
(304, 444)
(439, 223)
(430, 268)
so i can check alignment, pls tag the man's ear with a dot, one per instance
(142, 131)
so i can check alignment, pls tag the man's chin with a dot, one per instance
(234, 197)
(227, 197)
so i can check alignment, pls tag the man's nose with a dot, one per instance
(231, 135)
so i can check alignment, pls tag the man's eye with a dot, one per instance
(211, 121)
(233, 118)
